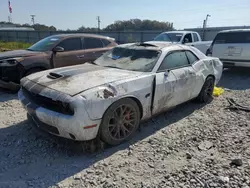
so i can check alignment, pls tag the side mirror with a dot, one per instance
(58, 49)
(166, 73)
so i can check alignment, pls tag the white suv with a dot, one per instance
(232, 47)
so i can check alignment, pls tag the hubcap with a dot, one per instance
(122, 122)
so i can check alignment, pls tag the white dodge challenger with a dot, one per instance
(109, 97)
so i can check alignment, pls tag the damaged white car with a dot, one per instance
(110, 97)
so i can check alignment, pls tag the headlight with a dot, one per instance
(11, 61)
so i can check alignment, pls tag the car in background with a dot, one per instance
(51, 52)
(232, 47)
(189, 38)
(130, 83)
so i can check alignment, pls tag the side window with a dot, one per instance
(90, 43)
(71, 44)
(232, 37)
(174, 60)
(162, 37)
(188, 37)
(196, 38)
(191, 57)
(105, 42)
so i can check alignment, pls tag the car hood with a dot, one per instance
(76, 79)
(18, 53)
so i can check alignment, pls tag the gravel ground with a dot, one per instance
(191, 146)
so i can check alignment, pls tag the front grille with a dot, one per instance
(57, 106)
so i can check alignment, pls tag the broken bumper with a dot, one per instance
(76, 127)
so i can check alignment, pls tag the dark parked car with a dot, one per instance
(51, 52)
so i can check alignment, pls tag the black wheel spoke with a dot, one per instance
(112, 127)
(122, 122)
(125, 129)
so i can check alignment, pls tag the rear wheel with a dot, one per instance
(120, 122)
(206, 93)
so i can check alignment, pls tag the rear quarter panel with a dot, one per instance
(97, 100)
(204, 68)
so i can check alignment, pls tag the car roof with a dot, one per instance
(69, 35)
(184, 32)
(235, 30)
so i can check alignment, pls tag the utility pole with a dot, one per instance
(33, 19)
(205, 26)
(99, 22)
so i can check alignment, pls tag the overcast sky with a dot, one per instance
(72, 14)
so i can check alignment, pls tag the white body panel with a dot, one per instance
(90, 90)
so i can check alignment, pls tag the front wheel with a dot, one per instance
(120, 122)
(206, 93)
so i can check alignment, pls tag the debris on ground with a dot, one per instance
(218, 91)
(236, 162)
(235, 106)
(206, 145)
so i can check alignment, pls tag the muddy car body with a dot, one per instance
(130, 83)
(51, 52)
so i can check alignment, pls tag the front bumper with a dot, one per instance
(75, 127)
(9, 85)
(10, 76)
(230, 64)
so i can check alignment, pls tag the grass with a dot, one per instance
(6, 46)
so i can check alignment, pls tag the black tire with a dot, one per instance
(32, 71)
(113, 124)
(206, 94)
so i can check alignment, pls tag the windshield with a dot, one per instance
(135, 59)
(45, 44)
(169, 37)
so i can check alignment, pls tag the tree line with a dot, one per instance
(127, 25)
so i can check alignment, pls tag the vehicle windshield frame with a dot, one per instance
(41, 46)
(171, 36)
(101, 59)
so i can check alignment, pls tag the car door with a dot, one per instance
(94, 48)
(73, 53)
(174, 82)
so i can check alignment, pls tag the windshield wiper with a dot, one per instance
(29, 49)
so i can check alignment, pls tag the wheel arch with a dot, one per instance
(137, 101)
(211, 75)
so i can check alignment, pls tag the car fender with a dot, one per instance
(36, 65)
(99, 99)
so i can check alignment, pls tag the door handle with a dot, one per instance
(80, 56)
(191, 73)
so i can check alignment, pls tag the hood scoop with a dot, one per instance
(54, 76)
